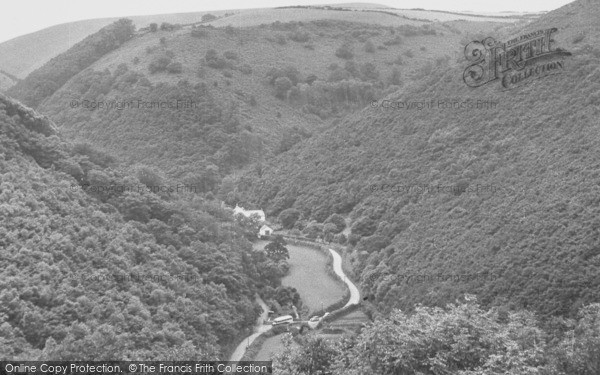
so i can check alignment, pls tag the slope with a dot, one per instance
(96, 263)
(24, 54)
(252, 92)
(499, 199)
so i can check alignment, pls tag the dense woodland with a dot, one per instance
(518, 210)
(90, 274)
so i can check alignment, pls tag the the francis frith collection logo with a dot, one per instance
(515, 62)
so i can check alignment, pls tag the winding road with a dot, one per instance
(260, 328)
(337, 268)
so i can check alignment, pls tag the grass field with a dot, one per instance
(308, 274)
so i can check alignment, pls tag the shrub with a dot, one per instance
(245, 69)
(153, 27)
(280, 39)
(344, 52)
(369, 47)
(213, 60)
(198, 32)
(230, 55)
(579, 38)
(230, 30)
(289, 72)
(159, 64)
(174, 67)
(165, 26)
(369, 71)
(299, 36)
(208, 17)
(393, 42)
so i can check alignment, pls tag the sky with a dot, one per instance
(19, 17)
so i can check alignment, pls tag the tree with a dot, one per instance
(288, 217)
(364, 227)
(344, 52)
(338, 220)
(276, 249)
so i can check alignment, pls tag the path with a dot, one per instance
(337, 268)
(259, 328)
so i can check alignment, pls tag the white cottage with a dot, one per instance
(249, 213)
(265, 230)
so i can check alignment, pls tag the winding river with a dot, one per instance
(303, 277)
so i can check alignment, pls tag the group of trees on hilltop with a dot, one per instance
(350, 87)
(460, 339)
(44, 81)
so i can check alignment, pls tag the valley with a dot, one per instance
(403, 191)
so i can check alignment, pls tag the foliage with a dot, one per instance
(344, 52)
(288, 217)
(113, 273)
(460, 339)
(44, 81)
(276, 249)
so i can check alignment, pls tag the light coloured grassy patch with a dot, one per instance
(308, 274)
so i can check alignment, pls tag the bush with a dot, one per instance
(393, 42)
(165, 26)
(153, 27)
(299, 36)
(208, 17)
(198, 32)
(579, 38)
(369, 46)
(159, 64)
(245, 69)
(213, 60)
(231, 55)
(175, 67)
(280, 39)
(289, 72)
(369, 71)
(344, 52)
